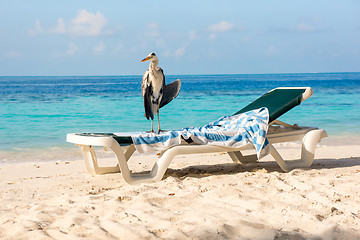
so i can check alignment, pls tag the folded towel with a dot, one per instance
(230, 131)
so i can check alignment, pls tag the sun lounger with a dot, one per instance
(278, 101)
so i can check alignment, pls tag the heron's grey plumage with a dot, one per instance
(154, 91)
(170, 92)
(152, 98)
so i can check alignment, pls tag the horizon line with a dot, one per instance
(208, 74)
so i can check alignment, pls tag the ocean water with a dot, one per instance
(36, 113)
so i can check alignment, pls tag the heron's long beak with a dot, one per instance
(146, 59)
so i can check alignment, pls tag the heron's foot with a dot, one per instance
(160, 131)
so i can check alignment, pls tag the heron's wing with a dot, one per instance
(146, 90)
(163, 76)
(170, 92)
(145, 82)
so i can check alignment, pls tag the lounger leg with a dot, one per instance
(275, 154)
(89, 158)
(125, 171)
(161, 164)
(155, 175)
(309, 143)
(91, 162)
(237, 157)
(131, 149)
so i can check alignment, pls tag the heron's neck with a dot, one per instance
(154, 64)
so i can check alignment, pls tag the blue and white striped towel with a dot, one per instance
(230, 131)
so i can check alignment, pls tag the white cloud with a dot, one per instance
(60, 27)
(302, 27)
(153, 31)
(99, 48)
(212, 36)
(84, 24)
(246, 39)
(222, 26)
(37, 29)
(73, 48)
(13, 54)
(193, 35)
(119, 48)
(180, 51)
(272, 50)
(87, 24)
(299, 50)
(167, 53)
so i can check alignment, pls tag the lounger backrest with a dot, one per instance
(278, 101)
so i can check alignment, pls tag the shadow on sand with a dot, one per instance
(200, 171)
(228, 233)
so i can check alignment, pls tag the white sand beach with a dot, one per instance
(201, 197)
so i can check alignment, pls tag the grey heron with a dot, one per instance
(154, 91)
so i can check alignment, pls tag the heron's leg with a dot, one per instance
(152, 125)
(159, 129)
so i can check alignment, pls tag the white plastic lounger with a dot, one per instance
(278, 101)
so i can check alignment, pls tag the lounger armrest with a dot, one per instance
(106, 141)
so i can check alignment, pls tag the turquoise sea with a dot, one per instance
(36, 113)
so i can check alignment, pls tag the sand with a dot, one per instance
(201, 197)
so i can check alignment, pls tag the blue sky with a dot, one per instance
(86, 37)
